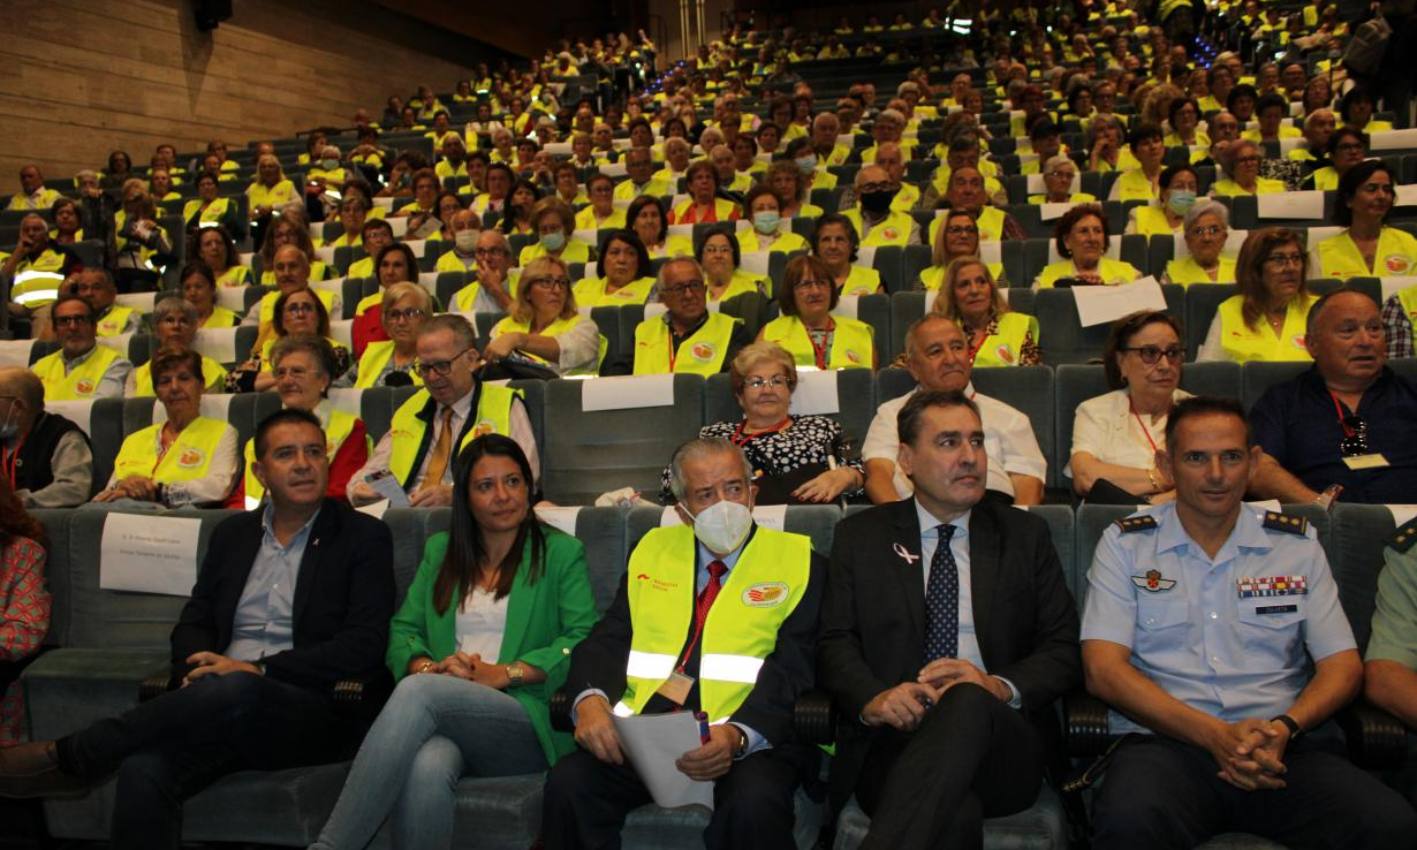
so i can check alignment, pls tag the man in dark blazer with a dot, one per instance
(947, 633)
(289, 600)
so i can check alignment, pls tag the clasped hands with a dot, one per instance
(595, 731)
(1250, 752)
(470, 666)
(903, 706)
(133, 487)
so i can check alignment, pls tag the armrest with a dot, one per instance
(1085, 729)
(814, 718)
(156, 684)
(1376, 739)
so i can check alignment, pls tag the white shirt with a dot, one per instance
(481, 622)
(1008, 443)
(1105, 428)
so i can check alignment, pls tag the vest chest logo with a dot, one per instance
(1299, 341)
(853, 356)
(1005, 353)
(766, 594)
(191, 458)
(1396, 263)
(703, 352)
(890, 233)
(482, 429)
(84, 386)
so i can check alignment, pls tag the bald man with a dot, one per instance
(51, 456)
(876, 220)
(292, 272)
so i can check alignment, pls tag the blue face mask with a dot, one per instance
(1180, 201)
(766, 221)
(806, 164)
(553, 241)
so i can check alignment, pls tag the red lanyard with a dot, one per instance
(9, 463)
(1145, 432)
(819, 352)
(702, 604)
(1342, 420)
(740, 439)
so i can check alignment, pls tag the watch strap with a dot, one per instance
(1295, 730)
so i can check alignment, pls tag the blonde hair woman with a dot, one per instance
(545, 327)
(997, 336)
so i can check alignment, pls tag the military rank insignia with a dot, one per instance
(1145, 522)
(1252, 588)
(1290, 523)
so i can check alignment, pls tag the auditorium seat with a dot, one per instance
(1065, 340)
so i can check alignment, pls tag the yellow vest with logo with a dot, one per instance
(81, 383)
(853, 342)
(377, 355)
(586, 220)
(1244, 344)
(341, 424)
(187, 459)
(894, 229)
(493, 416)
(1186, 271)
(1004, 347)
(235, 276)
(1396, 255)
(860, 281)
(556, 328)
(212, 371)
(574, 251)
(590, 292)
(1134, 185)
(759, 594)
(701, 354)
(114, 322)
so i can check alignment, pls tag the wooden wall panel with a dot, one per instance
(83, 77)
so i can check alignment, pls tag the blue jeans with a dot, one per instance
(434, 730)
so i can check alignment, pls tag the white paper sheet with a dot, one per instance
(1101, 304)
(560, 517)
(1051, 211)
(149, 554)
(118, 343)
(1388, 140)
(342, 330)
(141, 301)
(626, 391)
(816, 394)
(865, 257)
(846, 307)
(376, 509)
(1402, 514)
(756, 262)
(1394, 284)
(653, 743)
(78, 412)
(346, 399)
(1291, 205)
(388, 486)
(217, 343)
(16, 352)
(1407, 195)
(232, 298)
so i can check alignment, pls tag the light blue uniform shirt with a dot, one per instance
(264, 621)
(1192, 630)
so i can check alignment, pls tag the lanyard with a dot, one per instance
(1145, 432)
(819, 352)
(702, 603)
(1348, 431)
(9, 463)
(740, 438)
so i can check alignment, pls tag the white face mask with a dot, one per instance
(722, 526)
(466, 240)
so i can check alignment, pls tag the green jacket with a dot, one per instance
(545, 621)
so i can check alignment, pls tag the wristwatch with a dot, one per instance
(742, 748)
(515, 674)
(1295, 730)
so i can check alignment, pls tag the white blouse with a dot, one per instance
(481, 622)
(1105, 428)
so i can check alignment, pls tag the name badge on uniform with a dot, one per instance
(676, 688)
(1251, 588)
(1368, 461)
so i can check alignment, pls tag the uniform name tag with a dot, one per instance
(1276, 609)
(1372, 461)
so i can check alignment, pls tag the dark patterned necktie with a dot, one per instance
(942, 601)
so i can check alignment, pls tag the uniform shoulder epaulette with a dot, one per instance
(1144, 522)
(1406, 536)
(1289, 523)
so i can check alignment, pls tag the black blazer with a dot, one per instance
(344, 599)
(598, 662)
(873, 615)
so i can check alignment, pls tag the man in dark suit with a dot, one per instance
(671, 640)
(289, 601)
(947, 633)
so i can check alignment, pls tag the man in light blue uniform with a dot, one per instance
(1200, 619)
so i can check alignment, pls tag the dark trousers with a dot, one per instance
(586, 802)
(1161, 793)
(167, 749)
(972, 757)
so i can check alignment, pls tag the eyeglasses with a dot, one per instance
(1150, 354)
(63, 321)
(688, 287)
(441, 368)
(1281, 260)
(776, 382)
(1058, 173)
(299, 373)
(1247, 160)
(961, 230)
(1355, 440)
(1207, 230)
(811, 283)
(875, 187)
(718, 249)
(550, 282)
(489, 252)
(409, 314)
(1349, 147)
(299, 308)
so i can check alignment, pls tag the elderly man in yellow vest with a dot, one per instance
(717, 616)
(292, 271)
(32, 194)
(95, 285)
(686, 337)
(451, 410)
(890, 157)
(876, 221)
(81, 370)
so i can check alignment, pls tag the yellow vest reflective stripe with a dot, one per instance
(187, 459)
(893, 230)
(37, 279)
(268, 304)
(339, 429)
(1243, 344)
(852, 342)
(1186, 271)
(492, 416)
(590, 292)
(760, 593)
(1396, 254)
(82, 381)
(114, 322)
(701, 354)
(212, 371)
(1004, 347)
(376, 355)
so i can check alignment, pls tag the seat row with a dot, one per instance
(105, 642)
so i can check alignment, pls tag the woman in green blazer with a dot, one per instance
(482, 640)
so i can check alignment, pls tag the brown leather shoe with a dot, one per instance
(26, 760)
(32, 770)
